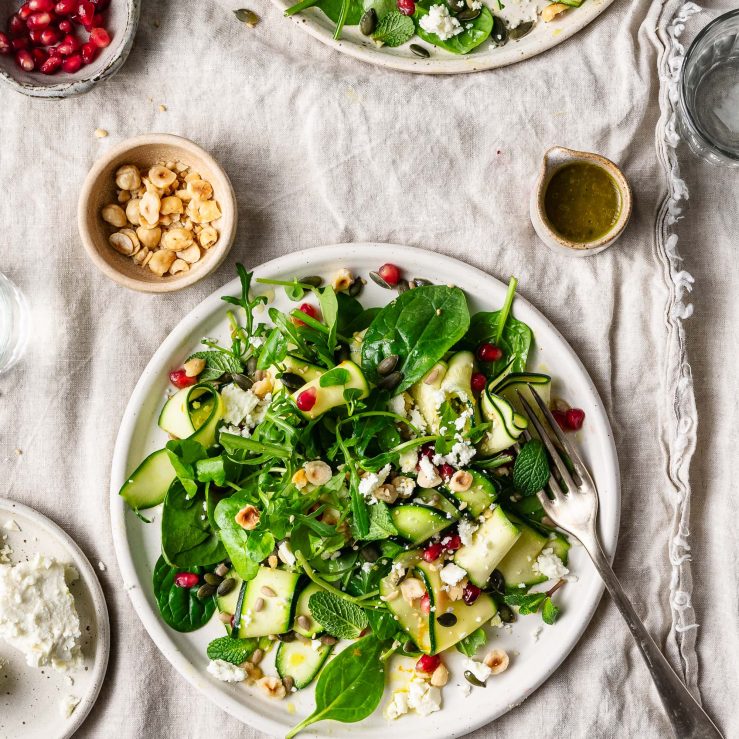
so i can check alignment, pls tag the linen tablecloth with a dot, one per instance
(324, 149)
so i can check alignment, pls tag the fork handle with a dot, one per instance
(689, 720)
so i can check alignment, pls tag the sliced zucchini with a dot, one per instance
(520, 381)
(302, 609)
(186, 411)
(149, 482)
(274, 614)
(425, 393)
(330, 396)
(518, 378)
(517, 567)
(436, 499)
(300, 661)
(560, 546)
(416, 523)
(507, 425)
(490, 543)
(480, 495)
(409, 615)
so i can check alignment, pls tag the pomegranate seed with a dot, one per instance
(446, 471)
(100, 37)
(426, 604)
(428, 450)
(186, 579)
(433, 552)
(488, 353)
(41, 6)
(89, 52)
(97, 20)
(68, 46)
(428, 663)
(85, 12)
(470, 593)
(39, 21)
(35, 36)
(25, 11)
(66, 26)
(177, 377)
(478, 382)
(17, 26)
(452, 543)
(24, 60)
(49, 37)
(561, 418)
(309, 310)
(233, 620)
(66, 7)
(5, 47)
(307, 399)
(574, 418)
(389, 272)
(19, 44)
(39, 56)
(101, 4)
(51, 65)
(406, 7)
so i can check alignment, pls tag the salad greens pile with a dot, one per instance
(342, 472)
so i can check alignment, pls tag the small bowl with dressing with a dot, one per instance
(581, 202)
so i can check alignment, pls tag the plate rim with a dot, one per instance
(466, 64)
(88, 574)
(298, 260)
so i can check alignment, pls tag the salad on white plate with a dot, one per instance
(345, 484)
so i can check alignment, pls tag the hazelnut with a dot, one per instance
(440, 676)
(460, 481)
(193, 367)
(247, 517)
(412, 589)
(128, 178)
(171, 204)
(114, 215)
(176, 239)
(317, 472)
(497, 660)
(273, 686)
(149, 237)
(161, 261)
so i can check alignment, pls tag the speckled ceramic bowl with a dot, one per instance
(122, 18)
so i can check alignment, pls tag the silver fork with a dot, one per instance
(576, 512)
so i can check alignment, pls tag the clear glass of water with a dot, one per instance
(13, 324)
(709, 92)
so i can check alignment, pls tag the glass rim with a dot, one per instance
(682, 92)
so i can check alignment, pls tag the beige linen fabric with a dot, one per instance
(324, 149)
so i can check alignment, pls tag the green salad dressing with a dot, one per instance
(582, 202)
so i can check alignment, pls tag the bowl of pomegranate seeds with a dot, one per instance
(57, 48)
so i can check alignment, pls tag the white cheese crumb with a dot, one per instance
(396, 405)
(367, 566)
(286, 554)
(466, 689)
(397, 706)
(438, 396)
(422, 697)
(408, 461)
(371, 481)
(315, 644)
(418, 420)
(396, 573)
(226, 672)
(452, 574)
(429, 470)
(536, 633)
(466, 529)
(479, 669)
(68, 704)
(240, 406)
(550, 565)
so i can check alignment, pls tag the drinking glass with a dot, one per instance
(13, 324)
(708, 104)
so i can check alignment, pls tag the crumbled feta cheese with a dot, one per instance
(550, 565)
(68, 704)
(451, 574)
(465, 529)
(440, 22)
(466, 689)
(408, 461)
(238, 405)
(315, 644)
(404, 486)
(11, 525)
(286, 554)
(417, 419)
(422, 697)
(479, 669)
(396, 573)
(366, 567)
(396, 404)
(476, 5)
(438, 396)
(371, 481)
(256, 341)
(5, 551)
(461, 454)
(39, 617)
(428, 469)
(536, 633)
(397, 706)
(246, 617)
(226, 672)
(461, 421)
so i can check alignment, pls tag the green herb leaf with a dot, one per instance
(351, 686)
(383, 623)
(216, 363)
(338, 616)
(381, 523)
(334, 377)
(180, 608)
(235, 651)
(479, 30)
(472, 642)
(274, 350)
(394, 29)
(526, 602)
(330, 312)
(531, 468)
(212, 469)
(549, 612)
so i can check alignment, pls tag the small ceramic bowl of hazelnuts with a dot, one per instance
(157, 213)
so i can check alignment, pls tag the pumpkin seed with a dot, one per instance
(402, 287)
(470, 678)
(391, 381)
(288, 636)
(205, 591)
(212, 579)
(328, 640)
(497, 582)
(292, 380)
(420, 51)
(247, 16)
(242, 381)
(356, 287)
(258, 605)
(312, 280)
(388, 365)
(375, 277)
(499, 34)
(267, 591)
(289, 682)
(368, 22)
(447, 620)
(507, 616)
(257, 656)
(420, 282)
(222, 569)
(303, 622)
(251, 365)
(520, 30)
(226, 586)
(469, 14)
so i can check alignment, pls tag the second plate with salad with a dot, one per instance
(342, 525)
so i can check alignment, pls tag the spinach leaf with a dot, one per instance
(350, 687)
(420, 326)
(183, 454)
(216, 363)
(235, 651)
(350, 309)
(383, 623)
(332, 8)
(394, 29)
(472, 642)
(338, 616)
(361, 322)
(479, 30)
(531, 468)
(330, 312)
(188, 539)
(381, 523)
(180, 608)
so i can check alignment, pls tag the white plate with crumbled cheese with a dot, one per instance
(54, 631)
(533, 653)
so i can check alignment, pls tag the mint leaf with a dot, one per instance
(394, 29)
(381, 523)
(531, 469)
(235, 651)
(335, 376)
(472, 642)
(216, 363)
(549, 612)
(338, 616)
(526, 602)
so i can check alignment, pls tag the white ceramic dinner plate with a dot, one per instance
(31, 698)
(487, 56)
(534, 656)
